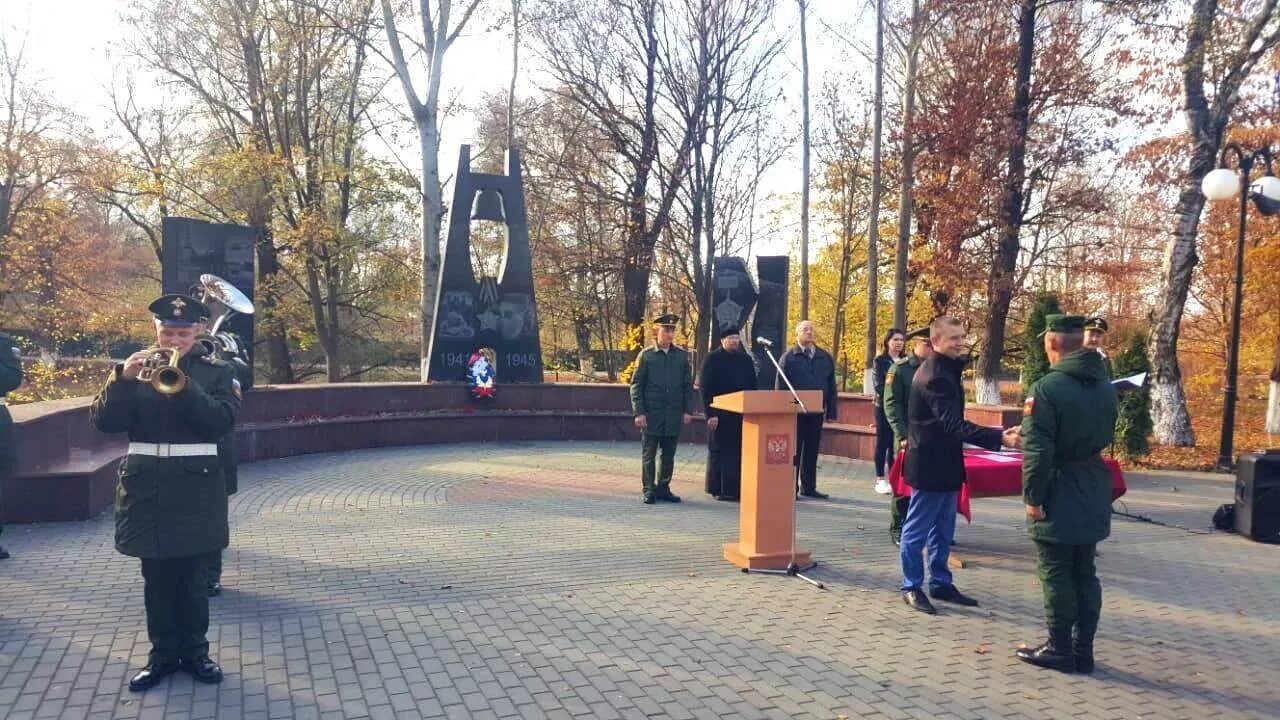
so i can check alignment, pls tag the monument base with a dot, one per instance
(734, 553)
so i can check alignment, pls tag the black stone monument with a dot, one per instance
(734, 296)
(497, 313)
(770, 321)
(191, 248)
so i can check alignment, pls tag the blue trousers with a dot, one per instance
(931, 520)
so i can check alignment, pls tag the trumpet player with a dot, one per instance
(171, 498)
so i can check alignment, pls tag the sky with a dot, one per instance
(75, 48)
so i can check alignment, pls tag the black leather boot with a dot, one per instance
(1054, 654)
(1082, 649)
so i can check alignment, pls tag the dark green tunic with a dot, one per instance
(897, 389)
(662, 389)
(10, 379)
(170, 507)
(1069, 419)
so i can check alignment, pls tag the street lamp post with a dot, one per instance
(1223, 184)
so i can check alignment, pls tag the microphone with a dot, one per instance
(764, 341)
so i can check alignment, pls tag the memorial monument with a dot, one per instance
(498, 313)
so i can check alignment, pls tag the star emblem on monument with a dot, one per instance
(488, 319)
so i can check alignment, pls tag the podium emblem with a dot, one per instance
(777, 449)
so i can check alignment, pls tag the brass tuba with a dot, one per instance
(212, 287)
(162, 371)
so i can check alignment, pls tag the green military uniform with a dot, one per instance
(10, 379)
(1069, 418)
(171, 498)
(897, 390)
(661, 391)
(1100, 325)
(227, 459)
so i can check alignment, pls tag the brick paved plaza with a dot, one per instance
(484, 581)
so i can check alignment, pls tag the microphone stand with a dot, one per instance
(792, 569)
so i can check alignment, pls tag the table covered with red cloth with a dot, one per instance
(991, 474)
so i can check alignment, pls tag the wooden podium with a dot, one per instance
(768, 495)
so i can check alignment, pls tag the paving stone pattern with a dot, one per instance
(527, 581)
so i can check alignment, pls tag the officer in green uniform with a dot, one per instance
(10, 379)
(1095, 334)
(661, 400)
(897, 388)
(237, 359)
(171, 499)
(1068, 419)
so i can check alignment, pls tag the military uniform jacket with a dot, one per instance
(937, 430)
(227, 446)
(170, 507)
(662, 389)
(897, 391)
(10, 379)
(10, 366)
(1069, 418)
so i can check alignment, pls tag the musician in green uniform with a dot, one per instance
(662, 402)
(10, 379)
(897, 388)
(171, 498)
(1068, 419)
(233, 354)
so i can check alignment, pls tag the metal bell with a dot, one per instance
(489, 206)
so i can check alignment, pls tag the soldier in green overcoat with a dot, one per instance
(171, 498)
(897, 388)
(1069, 418)
(238, 360)
(662, 402)
(10, 379)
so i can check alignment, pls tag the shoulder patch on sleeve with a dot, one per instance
(235, 387)
(1029, 406)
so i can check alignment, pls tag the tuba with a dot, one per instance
(162, 371)
(218, 342)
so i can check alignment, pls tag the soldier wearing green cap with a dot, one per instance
(897, 388)
(10, 379)
(1068, 419)
(662, 402)
(171, 498)
(1095, 334)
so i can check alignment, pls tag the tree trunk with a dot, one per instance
(873, 225)
(432, 215)
(804, 190)
(515, 73)
(1001, 279)
(908, 170)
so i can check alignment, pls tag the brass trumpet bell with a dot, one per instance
(162, 372)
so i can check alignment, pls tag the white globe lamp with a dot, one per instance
(1220, 184)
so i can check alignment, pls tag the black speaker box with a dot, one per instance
(1258, 496)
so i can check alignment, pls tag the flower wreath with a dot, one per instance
(480, 374)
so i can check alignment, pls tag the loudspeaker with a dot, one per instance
(1258, 496)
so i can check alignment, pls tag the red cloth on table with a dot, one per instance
(990, 478)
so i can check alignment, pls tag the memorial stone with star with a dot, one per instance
(491, 312)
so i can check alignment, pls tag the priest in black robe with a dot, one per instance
(727, 369)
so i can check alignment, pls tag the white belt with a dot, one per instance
(164, 450)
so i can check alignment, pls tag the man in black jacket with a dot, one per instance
(809, 367)
(727, 369)
(934, 466)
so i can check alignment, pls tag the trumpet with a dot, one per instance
(162, 372)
